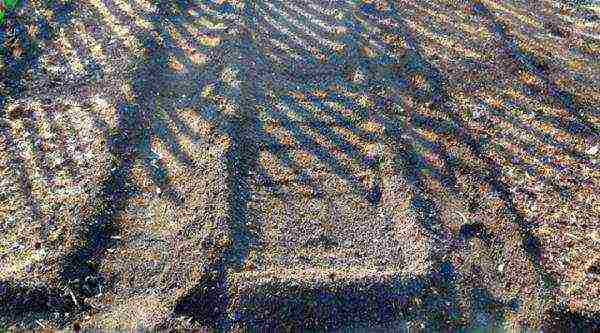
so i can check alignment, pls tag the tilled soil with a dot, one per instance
(305, 164)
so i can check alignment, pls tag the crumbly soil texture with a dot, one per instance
(231, 165)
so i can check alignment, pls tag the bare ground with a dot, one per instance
(238, 165)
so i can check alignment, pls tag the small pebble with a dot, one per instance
(18, 112)
(593, 150)
(594, 267)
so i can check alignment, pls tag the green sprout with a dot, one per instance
(6, 5)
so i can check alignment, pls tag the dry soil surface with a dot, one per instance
(306, 164)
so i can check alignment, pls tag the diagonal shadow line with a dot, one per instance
(301, 25)
(185, 130)
(240, 130)
(19, 66)
(79, 266)
(328, 66)
(440, 100)
(306, 141)
(168, 137)
(545, 137)
(338, 142)
(158, 20)
(290, 17)
(447, 176)
(312, 146)
(23, 180)
(39, 157)
(321, 22)
(531, 65)
(162, 132)
(435, 26)
(342, 120)
(529, 150)
(530, 243)
(534, 171)
(276, 33)
(241, 160)
(336, 139)
(50, 116)
(282, 152)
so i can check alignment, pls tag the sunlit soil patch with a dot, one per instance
(551, 173)
(53, 159)
(76, 170)
(329, 135)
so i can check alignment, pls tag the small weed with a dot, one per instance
(6, 5)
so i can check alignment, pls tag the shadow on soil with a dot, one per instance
(22, 304)
(266, 85)
(324, 307)
(20, 53)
